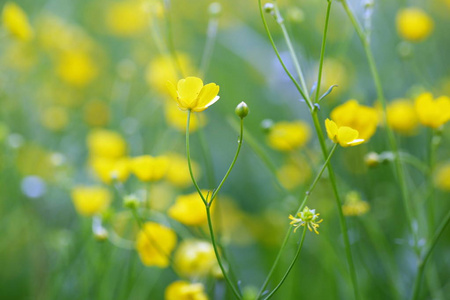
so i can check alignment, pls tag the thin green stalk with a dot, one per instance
(208, 160)
(288, 233)
(170, 41)
(300, 246)
(427, 254)
(211, 35)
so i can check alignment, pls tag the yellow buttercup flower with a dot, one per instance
(183, 290)
(108, 169)
(307, 217)
(76, 68)
(106, 143)
(195, 258)
(189, 210)
(414, 24)
(442, 178)
(354, 206)
(402, 117)
(149, 168)
(191, 94)
(91, 200)
(178, 171)
(155, 244)
(16, 22)
(432, 112)
(126, 18)
(343, 135)
(362, 118)
(288, 136)
(178, 119)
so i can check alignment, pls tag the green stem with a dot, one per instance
(288, 233)
(290, 266)
(208, 160)
(170, 41)
(211, 35)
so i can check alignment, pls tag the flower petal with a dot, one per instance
(208, 95)
(332, 130)
(188, 91)
(346, 135)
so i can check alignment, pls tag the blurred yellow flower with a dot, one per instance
(96, 113)
(149, 168)
(189, 209)
(183, 290)
(55, 118)
(108, 169)
(307, 217)
(126, 18)
(343, 135)
(178, 119)
(90, 200)
(432, 112)
(155, 244)
(335, 72)
(293, 174)
(414, 24)
(195, 258)
(442, 178)
(76, 68)
(402, 117)
(106, 143)
(16, 22)
(178, 172)
(287, 136)
(354, 206)
(363, 119)
(191, 94)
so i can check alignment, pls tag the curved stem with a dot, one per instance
(290, 266)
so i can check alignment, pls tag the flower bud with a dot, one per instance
(215, 9)
(372, 159)
(130, 201)
(266, 125)
(241, 110)
(268, 8)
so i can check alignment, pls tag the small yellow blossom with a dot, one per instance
(90, 200)
(149, 168)
(178, 172)
(363, 119)
(191, 94)
(183, 290)
(178, 119)
(307, 217)
(109, 169)
(402, 117)
(414, 24)
(354, 206)
(76, 68)
(442, 178)
(106, 143)
(16, 22)
(189, 209)
(126, 18)
(155, 244)
(432, 112)
(195, 258)
(343, 135)
(288, 136)
(55, 118)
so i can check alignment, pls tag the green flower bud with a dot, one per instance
(241, 110)
(267, 125)
(372, 159)
(130, 201)
(268, 8)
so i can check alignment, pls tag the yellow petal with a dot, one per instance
(346, 135)
(207, 97)
(332, 130)
(188, 90)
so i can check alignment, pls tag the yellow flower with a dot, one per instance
(442, 178)
(402, 117)
(287, 136)
(293, 173)
(178, 172)
(106, 143)
(149, 168)
(414, 24)
(362, 118)
(343, 135)
(354, 206)
(76, 68)
(55, 118)
(194, 258)
(183, 290)
(432, 112)
(92, 200)
(177, 118)
(307, 217)
(126, 18)
(155, 244)
(108, 169)
(191, 94)
(16, 22)
(189, 210)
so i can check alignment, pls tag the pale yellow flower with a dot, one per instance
(16, 22)
(155, 244)
(55, 118)
(96, 113)
(414, 24)
(178, 171)
(343, 135)
(106, 143)
(189, 210)
(90, 200)
(402, 117)
(191, 94)
(149, 168)
(307, 217)
(195, 258)
(126, 18)
(110, 169)
(178, 119)
(76, 68)
(288, 136)
(432, 112)
(354, 206)
(183, 290)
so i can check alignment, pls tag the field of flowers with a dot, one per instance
(192, 150)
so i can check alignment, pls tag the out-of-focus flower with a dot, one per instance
(16, 22)
(354, 206)
(160, 196)
(343, 135)
(149, 168)
(335, 72)
(178, 119)
(414, 24)
(402, 117)
(442, 178)
(96, 113)
(178, 172)
(195, 258)
(90, 200)
(76, 68)
(363, 119)
(155, 244)
(189, 210)
(106, 143)
(108, 169)
(126, 18)
(432, 112)
(191, 94)
(183, 290)
(288, 136)
(307, 217)
(293, 173)
(55, 118)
